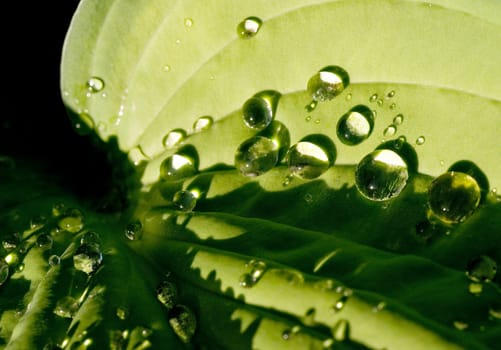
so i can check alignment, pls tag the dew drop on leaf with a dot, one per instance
(453, 196)
(90, 237)
(398, 119)
(381, 175)
(72, 220)
(66, 307)
(134, 230)
(340, 303)
(58, 209)
(54, 260)
(184, 200)
(44, 241)
(259, 111)
(390, 130)
(188, 22)
(257, 269)
(390, 94)
(87, 258)
(177, 167)
(37, 222)
(95, 84)
(356, 125)
(203, 123)
(460, 325)
(166, 292)
(256, 155)
(183, 322)
(122, 313)
(83, 123)
(373, 98)
(380, 102)
(481, 269)
(174, 138)
(249, 27)
(311, 156)
(420, 140)
(328, 83)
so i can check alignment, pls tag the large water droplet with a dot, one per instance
(184, 200)
(203, 123)
(134, 230)
(327, 83)
(167, 294)
(311, 156)
(481, 269)
(381, 175)
(259, 110)
(87, 258)
(4, 271)
(356, 125)
(95, 84)
(180, 165)
(249, 27)
(257, 269)
(183, 322)
(256, 155)
(72, 220)
(66, 307)
(453, 197)
(174, 138)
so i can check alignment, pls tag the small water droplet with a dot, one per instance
(10, 243)
(87, 258)
(328, 83)
(174, 138)
(453, 197)
(308, 118)
(390, 94)
(310, 107)
(167, 294)
(460, 325)
(4, 271)
(134, 230)
(122, 313)
(203, 123)
(37, 222)
(340, 303)
(257, 269)
(183, 322)
(398, 119)
(379, 307)
(95, 84)
(420, 140)
(83, 123)
(178, 166)
(66, 307)
(166, 68)
(188, 22)
(390, 130)
(259, 111)
(184, 200)
(379, 102)
(341, 330)
(312, 156)
(349, 96)
(381, 175)
(54, 260)
(481, 269)
(290, 332)
(249, 27)
(44, 241)
(72, 220)
(356, 125)
(373, 98)
(256, 155)
(393, 106)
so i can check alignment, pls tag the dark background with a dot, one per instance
(33, 121)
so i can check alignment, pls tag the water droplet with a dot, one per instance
(179, 166)
(310, 107)
(87, 258)
(44, 241)
(122, 313)
(328, 83)
(341, 330)
(390, 94)
(393, 106)
(184, 200)
(58, 209)
(66, 307)
(349, 96)
(308, 198)
(481, 269)
(183, 322)
(453, 197)
(249, 27)
(90, 237)
(420, 140)
(4, 271)
(188, 22)
(72, 220)
(259, 110)
(356, 125)
(308, 118)
(54, 260)
(95, 84)
(289, 333)
(257, 269)
(390, 130)
(312, 156)
(340, 303)
(279, 134)
(379, 307)
(134, 230)
(11, 242)
(174, 138)
(381, 175)
(37, 222)
(167, 294)
(373, 98)
(166, 68)
(475, 288)
(203, 123)
(12, 259)
(83, 124)
(379, 102)
(256, 155)
(398, 119)
(19, 268)
(470, 168)
(460, 325)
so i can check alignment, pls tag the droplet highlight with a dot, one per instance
(95, 84)
(311, 157)
(249, 27)
(257, 269)
(203, 123)
(174, 138)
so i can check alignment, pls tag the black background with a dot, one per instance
(33, 121)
